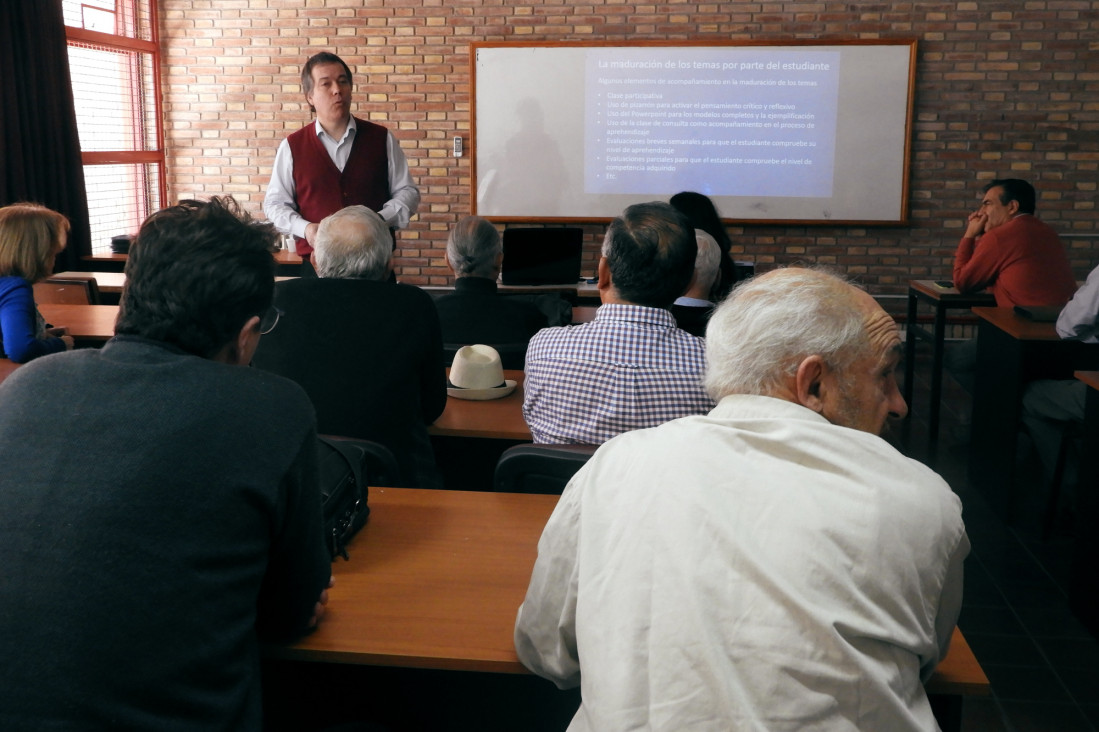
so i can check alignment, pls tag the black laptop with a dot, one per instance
(542, 256)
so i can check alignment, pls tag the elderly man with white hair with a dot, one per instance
(692, 309)
(772, 565)
(367, 351)
(475, 312)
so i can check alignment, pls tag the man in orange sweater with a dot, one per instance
(1019, 259)
(1007, 250)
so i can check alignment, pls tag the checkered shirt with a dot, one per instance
(629, 368)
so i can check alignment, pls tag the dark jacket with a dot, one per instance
(477, 313)
(370, 356)
(160, 514)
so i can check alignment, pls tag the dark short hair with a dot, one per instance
(196, 273)
(650, 250)
(1015, 189)
(324, 57)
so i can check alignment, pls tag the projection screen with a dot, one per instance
(791, 132)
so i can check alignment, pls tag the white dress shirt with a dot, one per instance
(280, 204)
(1079, 320)
(757, 568)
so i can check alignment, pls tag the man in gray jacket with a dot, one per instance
(159, 508)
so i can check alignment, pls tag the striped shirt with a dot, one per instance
(629, 368)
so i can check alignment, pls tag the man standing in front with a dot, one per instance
(771, 565)
(337, 161)
(631, 367)
(159, 507)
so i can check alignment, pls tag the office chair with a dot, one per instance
(540, 468)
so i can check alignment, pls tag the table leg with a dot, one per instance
(936, 379)
(910, 350)
(996, 391)
(1083, 589)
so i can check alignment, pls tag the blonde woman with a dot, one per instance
(31, 236)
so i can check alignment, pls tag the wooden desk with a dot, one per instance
(284, 258)
(113, 282)
(942, 299)
(500, 419)
(108, 261)
(435, 580)
(86, 323)
(287, 257)
(581, 293)
(1083, 589)
(1011, 350)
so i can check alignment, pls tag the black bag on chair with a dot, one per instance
(343, 480)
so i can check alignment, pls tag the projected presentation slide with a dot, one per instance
(776, 132)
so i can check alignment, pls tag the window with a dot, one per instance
(114, 62)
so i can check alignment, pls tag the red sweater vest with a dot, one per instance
(321, 189)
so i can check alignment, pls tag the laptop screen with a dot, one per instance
(542, 256)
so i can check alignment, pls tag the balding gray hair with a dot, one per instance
(760, 334)
(707, 261)
(353, 243)
(473, 247)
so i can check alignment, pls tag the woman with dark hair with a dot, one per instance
(31, 236)
(703, 215)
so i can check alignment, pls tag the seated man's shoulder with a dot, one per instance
(51, 371)
(401, 292)
(277, 388)
(328, 292)
(271, 409)
(559, 335)
(250, 390)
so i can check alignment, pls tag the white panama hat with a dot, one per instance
(477, 374)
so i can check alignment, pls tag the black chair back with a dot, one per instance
(540, 468)
(67, 291)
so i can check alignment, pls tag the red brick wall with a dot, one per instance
(1004, 89)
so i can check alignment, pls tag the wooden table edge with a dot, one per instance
(951, 681)
(1091, 378)
(950, 296)
(964, 676)
(434, 663)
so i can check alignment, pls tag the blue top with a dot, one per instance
(22, 330)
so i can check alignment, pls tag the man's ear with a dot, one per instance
(810, 383)
(240, 350)
(604, 272)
